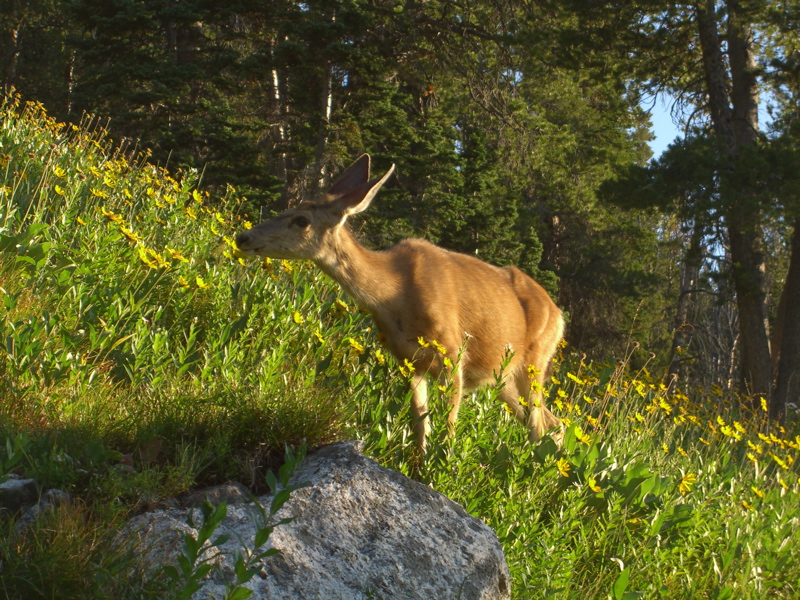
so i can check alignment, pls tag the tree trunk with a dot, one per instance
(787, 388)
(12, 45)
(682, 336)
(734, 117)
(278, 126)
(326, 104)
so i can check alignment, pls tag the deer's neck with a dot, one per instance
(367, 276)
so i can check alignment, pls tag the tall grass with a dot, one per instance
(141, 358)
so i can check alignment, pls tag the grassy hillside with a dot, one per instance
(140, 359)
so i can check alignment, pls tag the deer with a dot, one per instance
(416, 292)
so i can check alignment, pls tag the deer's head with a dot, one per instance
(308, 231)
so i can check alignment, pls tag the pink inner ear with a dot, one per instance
(355, 175)
(354, 197)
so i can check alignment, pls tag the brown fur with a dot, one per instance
(418, 290)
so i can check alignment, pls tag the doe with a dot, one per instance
(416, 290)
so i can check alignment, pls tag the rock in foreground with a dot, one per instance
(361, 531)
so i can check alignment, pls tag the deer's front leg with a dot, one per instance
(455, 400)
(419, 409)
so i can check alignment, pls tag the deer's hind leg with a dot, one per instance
(419, 409)
(523, 396)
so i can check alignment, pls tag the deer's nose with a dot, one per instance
(242, 239)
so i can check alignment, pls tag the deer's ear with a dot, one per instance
(354, 176)
(359, 199)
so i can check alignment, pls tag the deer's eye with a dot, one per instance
(301, 221)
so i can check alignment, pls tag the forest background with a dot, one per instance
(519, 130)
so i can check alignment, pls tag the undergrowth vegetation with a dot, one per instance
(141, 358)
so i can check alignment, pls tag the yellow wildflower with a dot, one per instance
(175, 254)
(756, 447)
(758, 492)
(563, 466)
(592, 485)
(111, 216)
(380, 357)
(355, 345)
(145, 258)
(201, 283)
(297, 317)
(422, 343)
(781, 463)
(582, 437)
(575, 378)
(686, 483)
(130, 234)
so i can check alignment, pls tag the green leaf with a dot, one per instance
(725, 593)
(241, 593)
(621, 584)
(171, 572)
(544, 450)
(262, 535)
(279, 500)
(272, 481)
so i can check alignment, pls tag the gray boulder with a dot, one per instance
(16, 492)
(359, 531)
